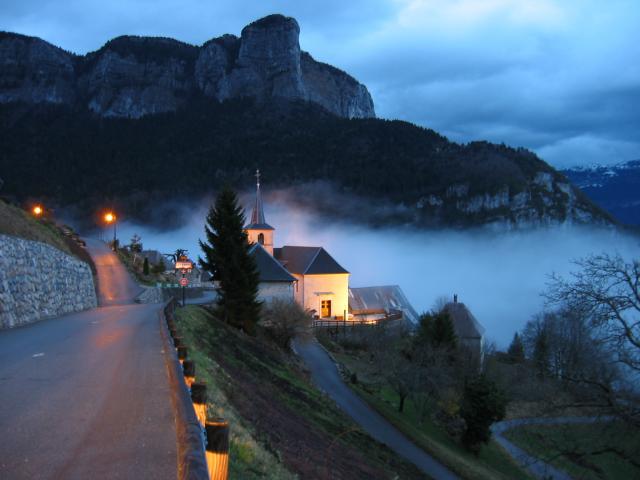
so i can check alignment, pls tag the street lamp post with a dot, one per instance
(110, 217)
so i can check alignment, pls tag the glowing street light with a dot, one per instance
(37, 210)
(110, 218)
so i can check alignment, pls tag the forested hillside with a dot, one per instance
(73, 157)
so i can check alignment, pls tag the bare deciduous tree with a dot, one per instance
(606, 291)
(284, 320)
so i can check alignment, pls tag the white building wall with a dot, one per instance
(252, 237)
(268, 291)
(315, 288)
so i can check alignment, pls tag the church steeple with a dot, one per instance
(257, 215)
(259, 231)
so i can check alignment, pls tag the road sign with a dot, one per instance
(184, 282)
(184, 265)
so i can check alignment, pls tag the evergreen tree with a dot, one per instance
(516, 350)
(159, 267)
(436, 329)
(227, 259)
(444, 335)
(145, 266)
(482, 405)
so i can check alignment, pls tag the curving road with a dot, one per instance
(86, 395)
(325, 375)
(537, 467)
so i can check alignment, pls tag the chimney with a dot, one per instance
(455, 298)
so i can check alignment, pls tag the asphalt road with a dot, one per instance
(537, 467)
(86, 395)
(326, 376)
(115, 285)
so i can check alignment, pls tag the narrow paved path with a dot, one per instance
(537, 467)
(115, 285)
(326, 376)
(86, 395)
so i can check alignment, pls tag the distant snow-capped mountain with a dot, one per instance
(616, 188)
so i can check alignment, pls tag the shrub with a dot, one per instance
(482, 404)
(283, 320)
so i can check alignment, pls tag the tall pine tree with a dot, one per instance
(436, 329)
(516, 350)
(227, 259)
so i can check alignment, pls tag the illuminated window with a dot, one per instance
(261, 238)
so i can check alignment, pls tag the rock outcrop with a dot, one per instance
(545, 200)
(132, 76)
(39, 281)
(136, 76)
(34, 71)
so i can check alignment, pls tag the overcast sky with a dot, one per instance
(561, 77)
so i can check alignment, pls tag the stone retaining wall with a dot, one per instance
(39, 281)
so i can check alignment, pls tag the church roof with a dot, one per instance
(307, 260)
(464, 323)
(259, 226)
(257, 214)
(269, 268)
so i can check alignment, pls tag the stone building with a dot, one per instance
(468, 330)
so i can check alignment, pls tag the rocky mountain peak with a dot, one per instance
(275, 20)
(134, 76)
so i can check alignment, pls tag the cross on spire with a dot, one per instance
(257, 215)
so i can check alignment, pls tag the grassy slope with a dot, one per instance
(281, 425)
(18, 223)
(135, 268)
(546, 442)
(492, 463)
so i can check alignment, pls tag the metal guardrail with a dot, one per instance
(203, 444)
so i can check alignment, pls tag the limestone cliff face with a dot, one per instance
(335, 90)
(268, 63)
(137, 76)
(132, 77)
(34, 71)
(546, 199)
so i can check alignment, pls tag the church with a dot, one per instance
(308, 275)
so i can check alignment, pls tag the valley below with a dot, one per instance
(499, 274)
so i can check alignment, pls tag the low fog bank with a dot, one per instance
(499, 276)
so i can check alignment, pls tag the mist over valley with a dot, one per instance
(499, 275)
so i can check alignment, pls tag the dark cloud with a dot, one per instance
(557, 76)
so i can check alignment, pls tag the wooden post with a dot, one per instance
(182, 353)
(199, 399)
(189, 371)
(217, 434)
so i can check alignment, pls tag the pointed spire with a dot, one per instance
(257, 215)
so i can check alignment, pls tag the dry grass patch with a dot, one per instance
(18, 223)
